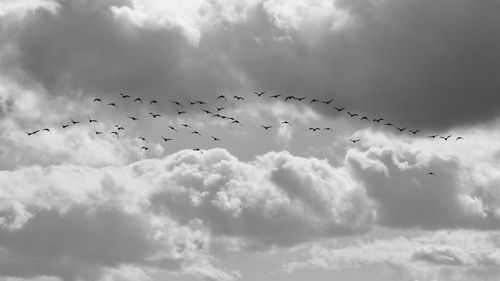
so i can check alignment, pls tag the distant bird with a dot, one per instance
(46, 129)
(354, 141)
(92, 120)
(352, 114)
(459, 138)
(401, 129)
(196, 133)
(378, 120)
(143, 139)
(285, 123)
(31, 133)
(155, 115)
(197, 149)
(238, 98)
(313, 101)
(236, 122)
(215, 139)
(327, 129)
(73, 121)
(124, 96)
(97, 132)
(185, 126)
(275, 96)
(219, 108)
(328, 101)
(165, 139)
(364, 118)
(430, 174)
(64, 126)
(339, 109)
(313, 129)
(133, 118)
(113, 104)
(259, 94)
(207, 111)
(115, 133)
(388, 124)
(144, 147)
(222, 97)
(119, 128)
(153, 102)
(266, 127)
(200, 102)
(414, 131)
(177, 103)
(433, 136)
(191, 102)
(138, 99)
(445, 138)
(289, 98)
(172, 128)
(97, 99)
(300, 99)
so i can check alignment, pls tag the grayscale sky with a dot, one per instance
(411, 196)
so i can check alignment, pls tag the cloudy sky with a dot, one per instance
(280, 204)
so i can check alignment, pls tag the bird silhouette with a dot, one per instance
(433, 136)
(138, 99)
(92, 120)
(445, 138)
(165, 139)
(219, 108)
(113, 104)
(200, 102)
(133, 118)
(115, 133)
(300, 99)
(172, 128)
(327, 129)
(31, 133)
(64, 126)
(328, 101)
(364, 118)
(313, 101)
(153, 102)
(236, 122)
(238, 98)
(142, 138)
(285, 123)
(354, 141)
(97, 99)
(120, 128)
(185, 125)
(177, 103)
(215, 139)
(378, 120)
(97, 132)
(259, 94)
(313, 129)
(144, 147)
(222, 97)
(414, 131)
(430, 174)
(352, 114)
(289, 98)
(46, 129)
(207, 111)
(275, 96)
(73, 121)
(459, 138)
(401, 129)
(388, 124)
(124, 96)
(197, 149)
(266, 127)
(196, 133)
(155, 115)
(339, 109)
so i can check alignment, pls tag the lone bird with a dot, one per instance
(355, 141)
(266, 127)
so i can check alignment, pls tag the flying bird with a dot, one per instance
(352, 114)
(275, 96)
(133, 118)
(313, 129)
(327, 129)
(328, 101)
(92, 120)
(388, 124)
(196, 132)
(354, 141)
(259, 94)
(177, 103)
(313, 101)
(46, 129)
(266, 127)
(155, 115)
(364, 118)
(115, 133)
(97, 99)
(113, 104)
(153, 102)
(238, 98)
(165, 139)
(222, 97)
(64, 126)
(300, 99)
(215, 139)
(433, 136)
(414, 131)
(197, 149)
(430, 174)
(143, 139)
(219, 108)
(138, 99)
(73, 121)
(445, 138)
(459, 138)
(339, 109)
(185, 125)
(285, 123)
(401, 129)
(144, 147)
(207, 111)
(97, 132)
(172, 128)
(31, 133)
(124, 96)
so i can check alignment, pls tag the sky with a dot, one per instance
(361, 200)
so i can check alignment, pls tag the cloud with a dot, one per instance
(448, 255)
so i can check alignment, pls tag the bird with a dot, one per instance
(31, 133)
(119, 128)
(185, 126)
(46, 129)
(300, 99)
(153, 102)
(197, 149)
(354, 141)
(219, 108)
(289, 98)
(115, 133)
(207, 111)
(459, 138)
(124, 96)
(191, 102)
(144, 147)
(196, 132)
(172, 128)
(414, 131)
(236, 122)
(165, 139)
(200, 102)
(285, 123)
(313, 101)
(73, 121)
(327, 129)
(364, 118)
(433, 136)
(430, 174)
(259, 94)
(97, 132)
(339, 109)
(64, 126)
(113, 104)
(92, 120)
(97, 99)
(388, 124)
(328, 101)
(133, 118)
(239, 98)
(155, 115)
(445, 138)
(275, 96)
(215, 139)
(313, 129)
(138, 99)
(177, 103)
(142, 138)
(352, 114)
(401, 129)
(222, 97)
(266, 127)
(378, 120)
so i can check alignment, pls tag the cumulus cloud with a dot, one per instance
(452, 255)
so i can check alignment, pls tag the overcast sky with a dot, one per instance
(284, 203)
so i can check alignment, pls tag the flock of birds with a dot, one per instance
(181, 108)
